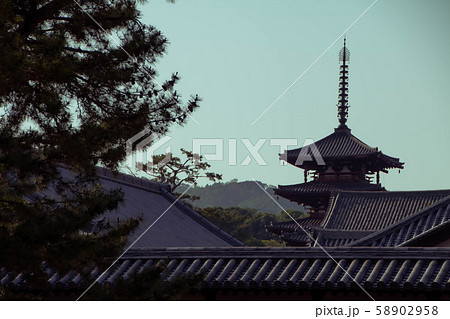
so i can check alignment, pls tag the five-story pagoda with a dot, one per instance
(337, 162)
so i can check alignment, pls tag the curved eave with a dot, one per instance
(340, 146)
(297, 196)
(286, 191)
(316, 187)
(314, 192)
(391, 162)
(383, 161)
(305, 198)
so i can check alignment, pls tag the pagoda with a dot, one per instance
(338, 162)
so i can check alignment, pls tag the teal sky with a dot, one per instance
(239, 56)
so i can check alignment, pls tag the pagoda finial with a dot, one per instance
(344, 58)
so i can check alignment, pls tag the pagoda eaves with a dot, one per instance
(340, 147)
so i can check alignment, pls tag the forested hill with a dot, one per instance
(240, 194)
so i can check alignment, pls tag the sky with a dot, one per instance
(240, 56)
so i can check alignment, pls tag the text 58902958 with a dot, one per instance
(407, 311)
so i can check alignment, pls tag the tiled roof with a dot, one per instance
(376, 210)
(327, 187)
(342, 144)
(410, 230)
(354, 215)
(302, 268)
(280, 268)
(180, 226)
(291, 226)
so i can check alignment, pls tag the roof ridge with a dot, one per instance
(130, 180)
(331, 206)
(124, 179)
(444, 225)
(286, 251)
(278, 260)
(360, 142)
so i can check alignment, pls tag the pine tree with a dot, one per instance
(76, 81)
(176, 171)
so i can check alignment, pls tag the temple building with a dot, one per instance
(360, 242)
(342, 188)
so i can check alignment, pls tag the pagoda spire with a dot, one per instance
(344, 58)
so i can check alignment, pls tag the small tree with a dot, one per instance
(174, 171)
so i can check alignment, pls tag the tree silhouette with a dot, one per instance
(166, 168)
(76, 81)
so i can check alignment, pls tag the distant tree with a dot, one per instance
(76, 81)
(247, 225)
(166, 168)
(290, 214)
(242, 194)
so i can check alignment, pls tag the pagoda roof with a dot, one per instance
(340, 145)
(319, 187)
(308, 193)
